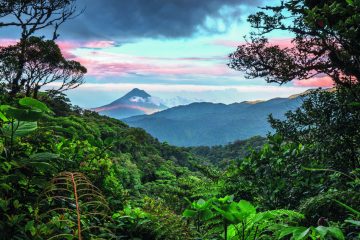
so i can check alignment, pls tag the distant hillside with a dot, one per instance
(222, 155)
(209, 124)
(136, 102)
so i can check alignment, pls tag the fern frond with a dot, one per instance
(77, 208)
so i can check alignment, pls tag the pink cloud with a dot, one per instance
(68, 46)
(281, 42)
(104, 63)
(323, 81)
(102, 68)
(65, 46)
(4, 42)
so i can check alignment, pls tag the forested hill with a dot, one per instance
(223, 155)
(51, 139)
(209, 124)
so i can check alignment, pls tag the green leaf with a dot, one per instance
(24, 128)
(348, 208)
(189, 213)
(30, 227)
(42, 157)
(19, 129)
(21, 114)
(230, 217)
(226, 199)
(34, 104)
(322, 231)
(16, 204)
(247, 207)
(301, 234)
(3, 117)
(201, 202)
(336, 232)
(350, 2)
(286, 230)
(42, 166)
(5, 186)
(354, 222)
(206, 215)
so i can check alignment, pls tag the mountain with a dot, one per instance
(135, 102)
(209, 124)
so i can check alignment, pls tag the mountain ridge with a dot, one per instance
(209, 124)
(136, 102)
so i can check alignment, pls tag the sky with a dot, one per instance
(173, 49)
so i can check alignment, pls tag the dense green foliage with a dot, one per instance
(68, 173)
(75, 174)
(223, 155)
(121, 164)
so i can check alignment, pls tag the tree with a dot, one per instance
(326, 42)
(31, 17)
(330, 122)
(43, 64)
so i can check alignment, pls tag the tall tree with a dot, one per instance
(31, 17)
(43, 65)
(326, 42)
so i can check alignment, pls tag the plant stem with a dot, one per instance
(77, 206)
(256, 230)
(225, 229)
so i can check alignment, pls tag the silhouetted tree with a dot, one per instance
(43, 64)
(31, 17)
(326, 42)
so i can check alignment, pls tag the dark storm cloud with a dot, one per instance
(126, 19)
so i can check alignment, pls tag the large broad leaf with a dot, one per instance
(246, 207)
(201, 204)
(336, 233)
(189, 213)
(42, 161)
(206, 215)
(21, 114)
(294, 231)
(24, 128)
(227, 215)
(302, 234)
(322, 231)
(34, 104)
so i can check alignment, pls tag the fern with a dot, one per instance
(77, 208)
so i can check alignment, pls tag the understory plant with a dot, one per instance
(224, 218)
